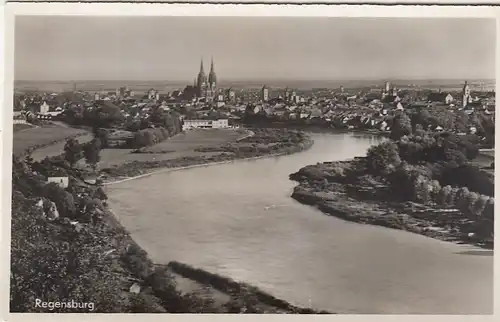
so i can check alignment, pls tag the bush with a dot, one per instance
(92, 151)
(148, 137)
(73, 151)
(64, 201)
(383, 158)
(401, 126)
(145, 303)
(469, 176)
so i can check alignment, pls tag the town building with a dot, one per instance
(387, 86)
(44, 108)
(231, 96)
(153, 94)
(63, 182)
(287, 95)
(466, 96)
(205, 124)
(265, 93)
(440, 97)
(206, 86)
(124, 92)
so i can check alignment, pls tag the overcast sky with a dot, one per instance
(170, 48)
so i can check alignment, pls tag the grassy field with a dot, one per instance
(115, 157)
(30, 138)
(20, 127)
(57, 148)
(178, 146)
(197, 138)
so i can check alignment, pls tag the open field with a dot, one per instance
(115, 157)
(57, 148)
(38, 136)
(178, 146)
(21, 127)
(197, 138)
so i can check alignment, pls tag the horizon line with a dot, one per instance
(260, 79)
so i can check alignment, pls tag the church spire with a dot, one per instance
(212, 77)
(201, 67)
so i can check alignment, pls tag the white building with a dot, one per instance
(220, 123)
(448, 99)
(205, 124)
(44, 108)
(61, 181)
(153, 94)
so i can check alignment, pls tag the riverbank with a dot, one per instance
(180, 288)
(105, 263)
(346, 190)
(262, 143)
(319, 129)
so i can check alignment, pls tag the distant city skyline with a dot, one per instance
(49, 48)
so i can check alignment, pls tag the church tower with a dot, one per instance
(201, 81)
(212, 80)
(387, 87)
(466, 99)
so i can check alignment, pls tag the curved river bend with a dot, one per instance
(239, 220)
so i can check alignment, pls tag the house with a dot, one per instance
(220, 123)
(44, 108)
(153, 94)
(440, 97)
(18, 115)
(63, 182)
(316, 112)
(279, 111)
(391, 99)
(205, 124)
(383, 126)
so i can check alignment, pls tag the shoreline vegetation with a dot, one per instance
(318, 129)
(73, 236)
(262, 143)
(422, 183)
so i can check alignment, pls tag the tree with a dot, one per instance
(422, 118)
(479, 206)
(72, 151)
(383, 158)
(471, 199)
(92, 152)
(422, 193)
(461, 199)
(64, 201)
(444, 197)
(401, 126)
(102, 135)
(435, 188)
(106, 115)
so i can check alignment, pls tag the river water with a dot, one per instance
(238, 220)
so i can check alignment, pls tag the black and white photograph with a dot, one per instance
(252, 164)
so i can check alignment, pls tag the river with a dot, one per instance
(238, 220)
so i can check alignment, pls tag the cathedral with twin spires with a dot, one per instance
(206, 87)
